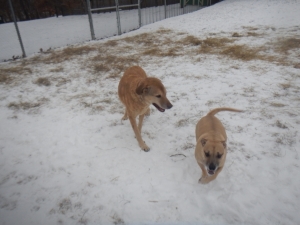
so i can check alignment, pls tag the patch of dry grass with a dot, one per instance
(60, 81)
(27, 105)
(60, 56)
(114, 63)
(42, 81)
(241, 52)
(286, 45)
(277, 105)
(214, 45)
(250, 28)
(141, 39)
(5, 79)
(191, 40)
(280, 125)
(112, 43)
(236, 35)
(253, 34)
(8, 75)
(285, 85)
(114, 76)
(57, 70)
(182, 123)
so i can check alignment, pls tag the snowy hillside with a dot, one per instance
(66, 157)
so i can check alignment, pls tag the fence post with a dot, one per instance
(118, 17)
(165, 8)
(90, 19)
(17, 29)
(139, 10)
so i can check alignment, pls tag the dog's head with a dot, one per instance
(154, 93)
(213, 154)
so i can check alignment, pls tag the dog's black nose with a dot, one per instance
(170, 106)
(212, 166)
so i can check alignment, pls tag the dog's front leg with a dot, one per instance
(138, 136)
(141, 118)
(203, 178)
(208, 178)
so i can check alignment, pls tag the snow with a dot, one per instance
(70, 160)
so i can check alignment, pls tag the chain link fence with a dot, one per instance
(87, 19)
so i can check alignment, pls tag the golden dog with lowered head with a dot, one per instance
(137, 92)
(210, 151)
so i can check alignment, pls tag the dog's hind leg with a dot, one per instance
(137, 133)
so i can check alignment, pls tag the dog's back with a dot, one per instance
(209, 123)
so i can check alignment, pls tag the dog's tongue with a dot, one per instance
(211, 172)
(159, 109)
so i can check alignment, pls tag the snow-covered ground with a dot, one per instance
(66, 158)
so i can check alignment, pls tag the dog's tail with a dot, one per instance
(215, 111)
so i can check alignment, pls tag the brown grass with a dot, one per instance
(42, 81)
(276, 104)
(182, 123)
(111, 43)
(285, 85)
(252, 34)
(192, 40)
(214, 45)
(60, 56)
(280, 125)
(7, 75)
(113, 63)
(241, 52)
(27, 105)
(250, 28)
(57, 69)
(60, 81)
(5, 79)
(236, 35)
(288, 44)
(144, 39)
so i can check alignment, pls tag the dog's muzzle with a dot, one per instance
(211, 169)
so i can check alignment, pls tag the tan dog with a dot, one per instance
(211, 146)
(137, 92)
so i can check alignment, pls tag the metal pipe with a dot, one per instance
(139, 11)
(98, 9)
(124, 6)
(165, 7)
(118, 17)
(17, 29)
(90, 19)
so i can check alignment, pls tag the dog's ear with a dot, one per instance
(203, 141)
(142, 87)
(224, 144)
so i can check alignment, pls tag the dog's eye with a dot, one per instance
(158, 96)
(219, 156)
(207, 154)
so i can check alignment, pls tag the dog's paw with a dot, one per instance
(124, 118)
(145, 147)
(203, 180)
